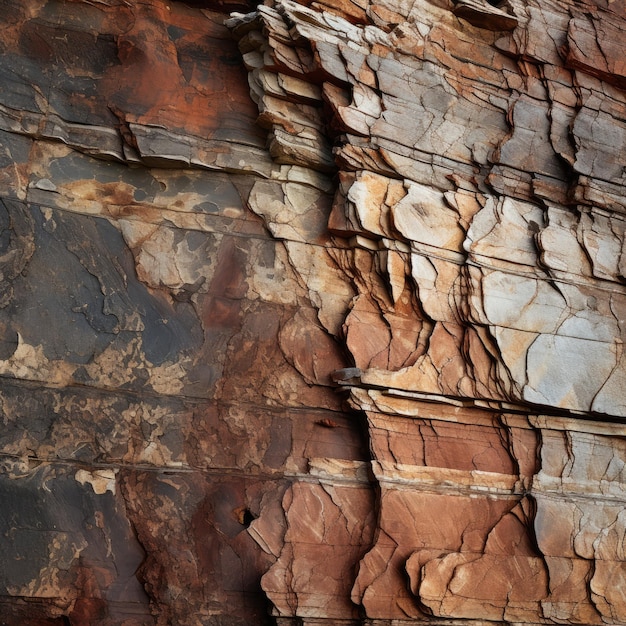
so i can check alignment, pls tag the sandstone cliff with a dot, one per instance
(313, 313)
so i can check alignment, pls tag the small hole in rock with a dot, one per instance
(244, 516)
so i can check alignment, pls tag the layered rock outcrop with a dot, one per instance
(313, 313)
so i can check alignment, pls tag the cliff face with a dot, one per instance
(312, 314)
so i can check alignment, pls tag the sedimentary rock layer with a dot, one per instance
(486, 330)
(312, 313)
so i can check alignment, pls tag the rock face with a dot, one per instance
(312, 313)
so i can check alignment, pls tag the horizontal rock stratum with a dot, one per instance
(312, 313)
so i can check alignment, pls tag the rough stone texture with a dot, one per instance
(313, 313)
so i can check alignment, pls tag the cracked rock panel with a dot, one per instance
(312, 313)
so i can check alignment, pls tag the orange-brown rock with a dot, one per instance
(312, 313)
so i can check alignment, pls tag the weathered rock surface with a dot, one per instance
(313, 313)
